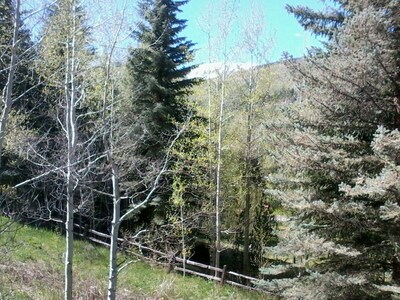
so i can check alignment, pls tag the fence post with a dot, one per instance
(223, 275)
(171, 263)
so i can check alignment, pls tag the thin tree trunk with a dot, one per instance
(69, 218)
(113, 271)
(183, 239)
(248, 173)
(71, 94)
(218, 188)
(8, 89)
(118, 218)
(211, 176)
(226, 23)
(108, 144)
(116, 221)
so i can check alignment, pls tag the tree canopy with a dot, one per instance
(158, 69)
(341, 171)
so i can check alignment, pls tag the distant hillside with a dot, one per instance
(212, 70)
(281, 80)
(279, 71)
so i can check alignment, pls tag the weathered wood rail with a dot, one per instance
(221, 275)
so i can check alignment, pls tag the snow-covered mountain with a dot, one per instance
(212, 70)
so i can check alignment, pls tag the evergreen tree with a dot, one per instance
(157, 71)
(321, 23)
(158, 68)
(6, 24)
(341, 176)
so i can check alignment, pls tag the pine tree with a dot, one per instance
(158, 68)
(341, 176)
(157, 71)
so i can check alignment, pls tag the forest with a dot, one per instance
(288, 171)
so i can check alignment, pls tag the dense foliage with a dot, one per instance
(158, 69)
(341, 170)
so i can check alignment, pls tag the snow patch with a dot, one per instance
(212, 70)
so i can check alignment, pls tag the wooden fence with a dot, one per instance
(172, 262)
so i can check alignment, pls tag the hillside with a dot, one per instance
(32, 268)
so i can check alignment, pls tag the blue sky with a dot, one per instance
(282, 28)
(286, 33)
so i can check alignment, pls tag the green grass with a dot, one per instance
(31, 267)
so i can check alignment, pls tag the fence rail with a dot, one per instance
(225, 277)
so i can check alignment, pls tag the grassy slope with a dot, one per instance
(31, 267)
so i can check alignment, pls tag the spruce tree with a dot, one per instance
(340, 165)
(321, 23)
(158, 69)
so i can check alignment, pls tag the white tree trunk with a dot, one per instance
(8, 89)
(108, 142)
(227, 11)
(118, 218)
(113, 270)
(71, 99)
(115, 224)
